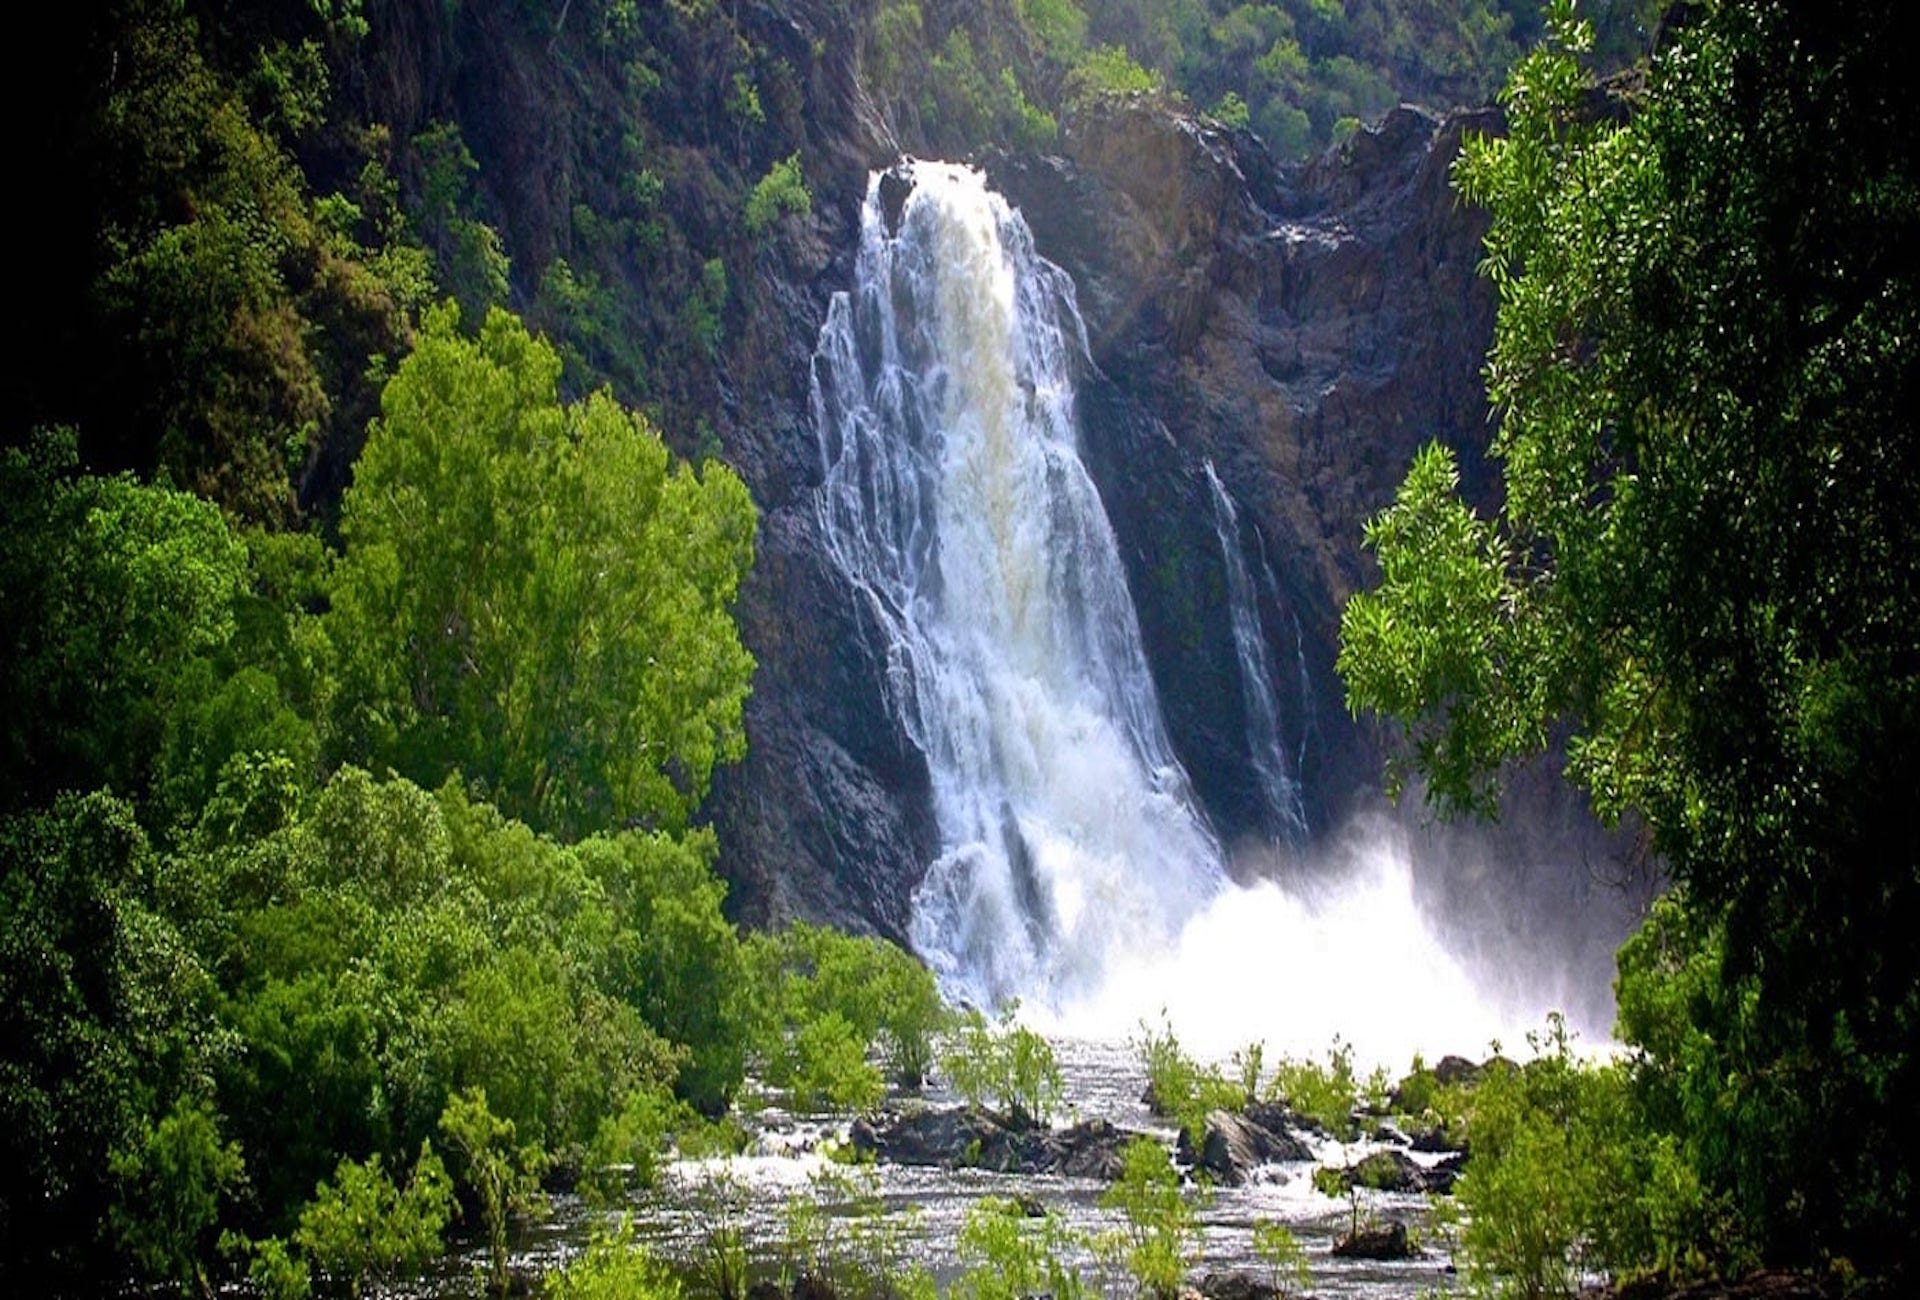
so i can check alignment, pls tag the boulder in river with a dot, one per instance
(1392, 1170)
(1236, 1286)
(1234, 1145)
(970, 1138)
(1377, 1241)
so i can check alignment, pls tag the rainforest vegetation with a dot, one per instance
(1701, 584)
(369, 580)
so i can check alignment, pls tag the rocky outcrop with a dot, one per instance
(1301, 329)
(1304, 330)
(970, 1138)
(1233, 1146)
(1392, 1170)
(1377, 1241)
(1215, 1285)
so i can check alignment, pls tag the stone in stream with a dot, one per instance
(1234, 1145)
(1236, 1286)
(967, 1137)
(1442, 1176)
(1387, 1170)
(1432, 1138)
(1377, 1241)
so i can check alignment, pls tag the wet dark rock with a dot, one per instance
(1430, 1138)
(1236, 1286)
(970, 1138)
(1278, 1117)
(1303, 329)
(1765, 1284)
(894, 189)
(1441, 1177)
(1377, 1241)
(1457, 1070)
(1233, 1146)
(1089, 1149)
(1389, 1170)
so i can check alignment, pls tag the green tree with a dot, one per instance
(106, 1023)
(361, 1228)
(1704, 568)
(782, 192)
(503, 1179)
(533, 595)
(173, 1182)
(613, 1267)
(1284, 1256)
(114, 592)
(1157, 1240)
(1009, 1255)
(1006, 1065)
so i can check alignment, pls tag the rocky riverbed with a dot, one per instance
(932, 1160)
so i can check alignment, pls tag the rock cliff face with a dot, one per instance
(1303, 330)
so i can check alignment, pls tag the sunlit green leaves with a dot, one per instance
(534, 595)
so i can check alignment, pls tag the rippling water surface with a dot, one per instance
(1103, 1078)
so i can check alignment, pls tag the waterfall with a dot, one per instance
(1266, 751)
(955, 501)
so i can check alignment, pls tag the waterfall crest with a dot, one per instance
(1266, 751)
(955, 500)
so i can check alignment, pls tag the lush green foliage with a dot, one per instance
(360, 1228)
(114, 592)
(828, 1003)
(1324, 1094)
(1009, 1254)
(782, 192)
(232, 988)
(841, 1234)
(1703, 570)
(1283, 1255)
(173, 1181)
(532, 594)
(1005, 1065)
(1183, 1090)
(613, 1267)
(1160, 1232)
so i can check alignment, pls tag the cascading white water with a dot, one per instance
(1075, 871)
(955, 500)
(1267, 752)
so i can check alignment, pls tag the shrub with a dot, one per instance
(1184, 1091)
(1010, 1255)
(1281, 1250)
(781, 192)
(829, 1001)
(720, 1255)
(172, 1189)
(1324, 1094)
(1156, 1242)
(1106, 71)
(1555, 1183)
(360, 1227)
(1005, 1067)
(613, 1267)
(504, 1179)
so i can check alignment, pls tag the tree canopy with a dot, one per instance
(1704, 570)
(534, 595)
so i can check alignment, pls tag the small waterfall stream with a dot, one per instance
(1267, 752)
(956, 502)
